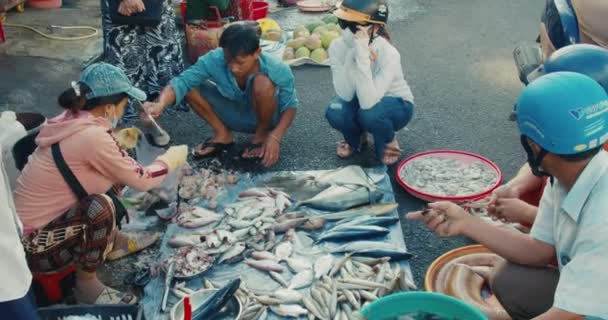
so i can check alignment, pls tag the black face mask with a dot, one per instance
(534, 162)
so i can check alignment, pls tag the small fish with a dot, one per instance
(289, 310)
(263, 255)
(236, 250)
(298, 264)
(350, 297)
(374, 249)
(279, 279)
(312, 307)
(353, 232)
(283, 250)
(288, 224)
(368, 295)
(313, 224)
(333, 301)
(323, 265)
(288, 296)
(240, 234)
(240, 224)
(265, 265)
(193, 223)
(266, 300)
(185, 240)
(371, 261)
(254, 193)
(301, 280)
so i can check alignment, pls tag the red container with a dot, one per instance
(45, 4)
(260, 10)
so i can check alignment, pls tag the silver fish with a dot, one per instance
(265, 265)
(266, 300)
(312, 307)
(197, 222)
(333, 301)
(289, 310)
(298, 264)
(240, 224)
(367, 221)
(288, 296)
(240, 234)
(283, 250)
(350, 297)
(301, 280)
(236, 250)
(337, 198)
(323, 265)
(263, 255)
(353, 232)
(185, 240)
(371, 261)
(279, 279)
(374, 249)
(367, 295)
(300, 187)
(366, 211)
(288, 224)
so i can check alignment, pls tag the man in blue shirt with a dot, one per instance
(563, 120)
(237, 88)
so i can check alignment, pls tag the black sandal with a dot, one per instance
(218, 149)
(248, 147)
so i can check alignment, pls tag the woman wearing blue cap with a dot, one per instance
(563, 121)
(66, 195)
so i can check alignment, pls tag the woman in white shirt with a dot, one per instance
(373, 95)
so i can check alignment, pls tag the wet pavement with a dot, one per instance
(456, 55)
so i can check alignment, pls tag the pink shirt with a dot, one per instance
(94, 157)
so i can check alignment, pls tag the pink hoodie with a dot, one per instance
(92, 154)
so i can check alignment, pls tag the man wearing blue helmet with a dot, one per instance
(517, 200)
(563, 121)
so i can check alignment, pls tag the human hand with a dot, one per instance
(129, 7)
(174, 157)
(362, 35)
(447, 219)
(153, 109)
(513, 210)
(503, 192)
(271, 150)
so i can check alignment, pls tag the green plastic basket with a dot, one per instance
(404, 303)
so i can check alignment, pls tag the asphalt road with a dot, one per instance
(457, 58)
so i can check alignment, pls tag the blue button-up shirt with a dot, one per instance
(576, 223)
(213, 67)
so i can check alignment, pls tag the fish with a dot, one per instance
(367, 221)
(185, 240)
(283, 250)
(352, 232)
(298, 264)
(265, 265)
(236, 250)
(288, 296)
(333, 300)
(337, 198)
(289, 310)
(314, 223)
(350, 297)
(216, 301)
(301, 280)
(240, 224)
(299, 187)
(279, 279)
(323, 265)
(367, 211)
(312, 307)
(266, 300)
(371, 261)
(254, 193)
(375, 249)
(263, 255)
(197, 222)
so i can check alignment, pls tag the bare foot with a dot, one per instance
(88, 287)
(223, 137)
(344, 150)
(255, 147)
(392, 153)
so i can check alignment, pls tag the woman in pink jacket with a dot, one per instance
(75, 223)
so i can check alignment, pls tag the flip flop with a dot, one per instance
(136, 243)
(113, 296)
(218, 149)
(248, 147)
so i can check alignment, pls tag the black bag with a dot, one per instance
(77, 188)
(150, 17)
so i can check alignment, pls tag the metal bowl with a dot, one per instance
(233, 309)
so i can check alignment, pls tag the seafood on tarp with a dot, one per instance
(299, 187)
(373, 249)
(342, 197)
(448, 177)
(206, 184)
(352, 232)
(197, 217)
(189, 261)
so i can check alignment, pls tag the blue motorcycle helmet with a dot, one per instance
(564, 113)
(588, 59)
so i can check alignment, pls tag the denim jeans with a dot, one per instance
(22, 309)
(388, 116)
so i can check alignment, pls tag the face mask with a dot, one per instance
(534, 161)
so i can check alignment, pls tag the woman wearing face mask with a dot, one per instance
(373, 95)
(67, 223)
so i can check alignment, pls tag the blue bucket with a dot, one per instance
(403, 303)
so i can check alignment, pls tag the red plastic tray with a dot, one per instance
(453, 154)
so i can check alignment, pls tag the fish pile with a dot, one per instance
(189, 261)
(465, 277)
(448, 177)
(206, 184)
(336, 288)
